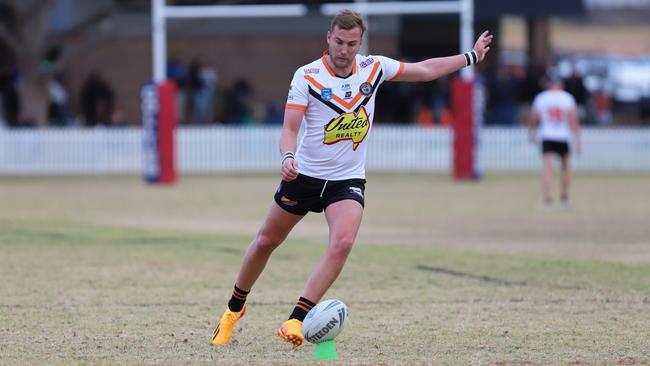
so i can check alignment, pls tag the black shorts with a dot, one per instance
(305, 193)
(558, 147)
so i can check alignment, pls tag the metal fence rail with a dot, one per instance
(239, 149)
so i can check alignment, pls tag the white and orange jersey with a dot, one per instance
(553, 108)
(338, 114)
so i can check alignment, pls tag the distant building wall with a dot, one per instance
(267, 62)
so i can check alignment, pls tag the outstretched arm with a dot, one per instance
(434, 68)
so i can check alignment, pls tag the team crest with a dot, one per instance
(348, 126)
(365, 88)
(326, 94)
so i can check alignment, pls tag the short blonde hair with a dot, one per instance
(348, 19)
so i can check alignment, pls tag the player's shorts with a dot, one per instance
(560, 148)
(305, 193)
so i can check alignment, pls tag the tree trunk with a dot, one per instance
(539, 42)
(24, 30)
(35, 97)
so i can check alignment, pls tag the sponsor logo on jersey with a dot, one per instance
(367, 62)
(312, 70)
(348, 95)
(345, 87)
(365, 88)
(348, 126)
(326, 94)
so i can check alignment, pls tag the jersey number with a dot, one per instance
(555, 114)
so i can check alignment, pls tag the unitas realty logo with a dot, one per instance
(348, 126)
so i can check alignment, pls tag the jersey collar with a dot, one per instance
(329, 69)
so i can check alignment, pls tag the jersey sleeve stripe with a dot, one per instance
(399, 72)
(296, 107)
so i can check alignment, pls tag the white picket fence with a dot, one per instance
(203, 150)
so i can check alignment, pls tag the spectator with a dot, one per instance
(238, 103)
(58, 111)
(258, 113)
(602, 108)
(574, 85)
(97, 100)
(504, 94)
(398, 97)
(9, 94)
(177, 72)
(424, 114)
(441, 97)
(532, 83)
(200, 87)
(274, 114)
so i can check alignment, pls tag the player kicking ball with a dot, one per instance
(334, 97)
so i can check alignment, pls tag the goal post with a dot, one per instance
(160, 12)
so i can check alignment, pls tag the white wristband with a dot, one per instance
(471, 58)
(287, 155)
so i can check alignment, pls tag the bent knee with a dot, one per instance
(341, 247)
(267, 242)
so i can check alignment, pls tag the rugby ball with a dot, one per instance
(325, 321)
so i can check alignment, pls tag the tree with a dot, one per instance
(40, 53)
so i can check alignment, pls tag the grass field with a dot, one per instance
(111, 271)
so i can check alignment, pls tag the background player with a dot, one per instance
(554, 114)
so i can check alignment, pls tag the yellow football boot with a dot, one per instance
(291, 331)
(223, 331)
